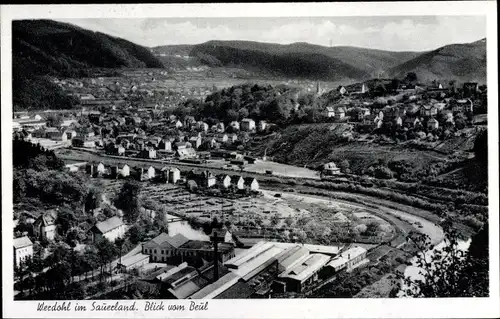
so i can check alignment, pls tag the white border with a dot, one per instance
(294, 308)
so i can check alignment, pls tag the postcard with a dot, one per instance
(281, 160)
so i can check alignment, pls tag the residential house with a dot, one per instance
(398, 121)
(220, 128)
(411, 121)
(186, 153)
(224, 181)
(23, 250)
(195, 141)
(462, 106)
(329, 111)
(124, 171)
(151, 172)
(202, 126)
(148, 153)
(233, 138)
(101, 169)
(342, 90)
(44, 226)
(470, 89)
(178, 124)
(235, 125)
(222, 138)
(261, 126)
(165, 145)
(330, 169)
(55, 134)
(340, 113)
(190, 122)
(432, 124)
(173, 175)
(428, 110)
(238, 181)
(111, 229)
(251, 183)
(70, 134)
(95, 117)
(247, 125)
(207, 179)
(120, 150)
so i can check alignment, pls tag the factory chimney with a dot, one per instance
(215, 238)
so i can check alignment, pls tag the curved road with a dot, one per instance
(429, 228)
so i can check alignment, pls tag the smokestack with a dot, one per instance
(216, 259)
(215, 239)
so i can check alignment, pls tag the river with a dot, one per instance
(183, 227)
(413, 270)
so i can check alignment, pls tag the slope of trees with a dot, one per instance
(44, 47)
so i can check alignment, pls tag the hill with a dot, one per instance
(45, 47)
(461, 62)
(298, 60)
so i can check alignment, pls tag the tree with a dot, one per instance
(90, 260)
(411, 77)
(136, 234)
(65, 219)
(106, 251)
(481, 148)
(243, 113)
(232, 115)
(449, 271)
(128, 200)
(344, 166)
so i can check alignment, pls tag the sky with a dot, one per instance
(408, 33)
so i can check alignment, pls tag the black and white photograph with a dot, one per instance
(161, 163)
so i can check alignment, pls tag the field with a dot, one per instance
(291, 217)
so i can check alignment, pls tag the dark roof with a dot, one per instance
(240, 290)
(178, 275)
(205, 246)
(175, 241)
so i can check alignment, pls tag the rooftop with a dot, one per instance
(175, 241)
(216, 288)
(109, 224)
(306, 267)
(129, 261)
(206, 246)
(22, 242)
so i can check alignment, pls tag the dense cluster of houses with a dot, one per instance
(439, 108)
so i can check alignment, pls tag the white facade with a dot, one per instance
(100, 168)
(247, 125)
(113, 234)
(151, 172)
(125, 171)
(23, 249)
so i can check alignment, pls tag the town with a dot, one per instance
(202, 171)
(240, 169)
